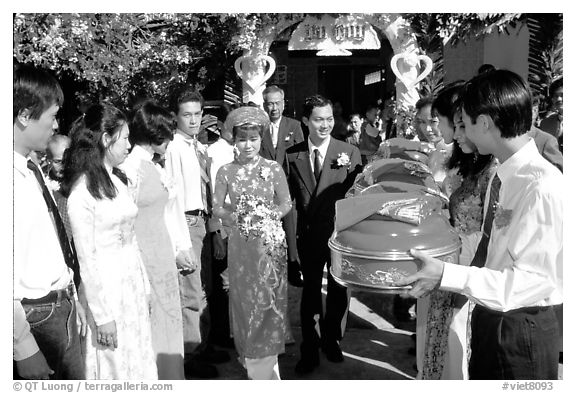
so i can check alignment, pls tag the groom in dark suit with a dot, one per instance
(320, 171)
(284, 132)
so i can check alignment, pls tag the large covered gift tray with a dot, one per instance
(396, 170)
(374, 233)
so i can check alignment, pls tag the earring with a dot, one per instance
(475, 157)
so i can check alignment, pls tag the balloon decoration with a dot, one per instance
(248, 73)
(412, 60)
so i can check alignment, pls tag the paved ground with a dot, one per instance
(375, 346)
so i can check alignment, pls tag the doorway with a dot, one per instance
(347, 84)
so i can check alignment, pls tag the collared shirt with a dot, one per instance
(221, 153)
(524, 263)
(323, 149)
(274, 131)
(183, 167)
(39, 265)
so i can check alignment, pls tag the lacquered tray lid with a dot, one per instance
(380, 238)
(395, 169)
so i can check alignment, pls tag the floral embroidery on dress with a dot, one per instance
(257, 256)
(265, 173)
(466, 214)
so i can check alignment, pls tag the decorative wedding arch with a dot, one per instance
(255, 66)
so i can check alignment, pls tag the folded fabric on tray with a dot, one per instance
(410, 207)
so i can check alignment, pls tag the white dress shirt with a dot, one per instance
(221, 153)
(274, 131)
(323, 149)
(524, 263)
(183, 167)
(39, 265)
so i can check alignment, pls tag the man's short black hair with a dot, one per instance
(36, 90)
(504, 96)
(486, 68)
(184, 95)
(558, 83)
(315, 101)
(423, 102)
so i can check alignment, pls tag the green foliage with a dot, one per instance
(426, 28)
(545, 60)
(434, 31)
(124, 57)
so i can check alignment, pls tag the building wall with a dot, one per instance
(509, 51)
(462, 61)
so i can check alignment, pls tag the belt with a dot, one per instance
(525, 310)
(54, 296)
(197, 212)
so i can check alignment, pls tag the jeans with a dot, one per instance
(195, 287)
(54, 327)
(519, 344)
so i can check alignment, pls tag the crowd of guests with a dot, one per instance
(132, 259)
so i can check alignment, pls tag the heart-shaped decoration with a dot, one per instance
(412, 60)
(247, 70)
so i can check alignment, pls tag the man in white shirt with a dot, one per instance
(188, 165)
(46, 335)
(221, 153)
(515, 278)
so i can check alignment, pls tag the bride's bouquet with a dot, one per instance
(258, 218)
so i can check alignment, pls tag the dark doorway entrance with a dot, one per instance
(346, 84)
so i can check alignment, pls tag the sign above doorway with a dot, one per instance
(334, 36)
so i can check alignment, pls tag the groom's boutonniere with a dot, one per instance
(287, 139)
(343, 160)
(52, 185)
(502, 217)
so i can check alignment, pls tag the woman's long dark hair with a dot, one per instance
(469, 165)
(86, 153)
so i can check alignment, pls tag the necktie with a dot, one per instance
(274, 134)
(481, 254)
(67, 248)
(317, 165)
(204, 176)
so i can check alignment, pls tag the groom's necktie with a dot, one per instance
(67, 248)
(317, 165)
(481, 254)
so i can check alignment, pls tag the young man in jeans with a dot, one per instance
(187, 164)
(46, 336)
